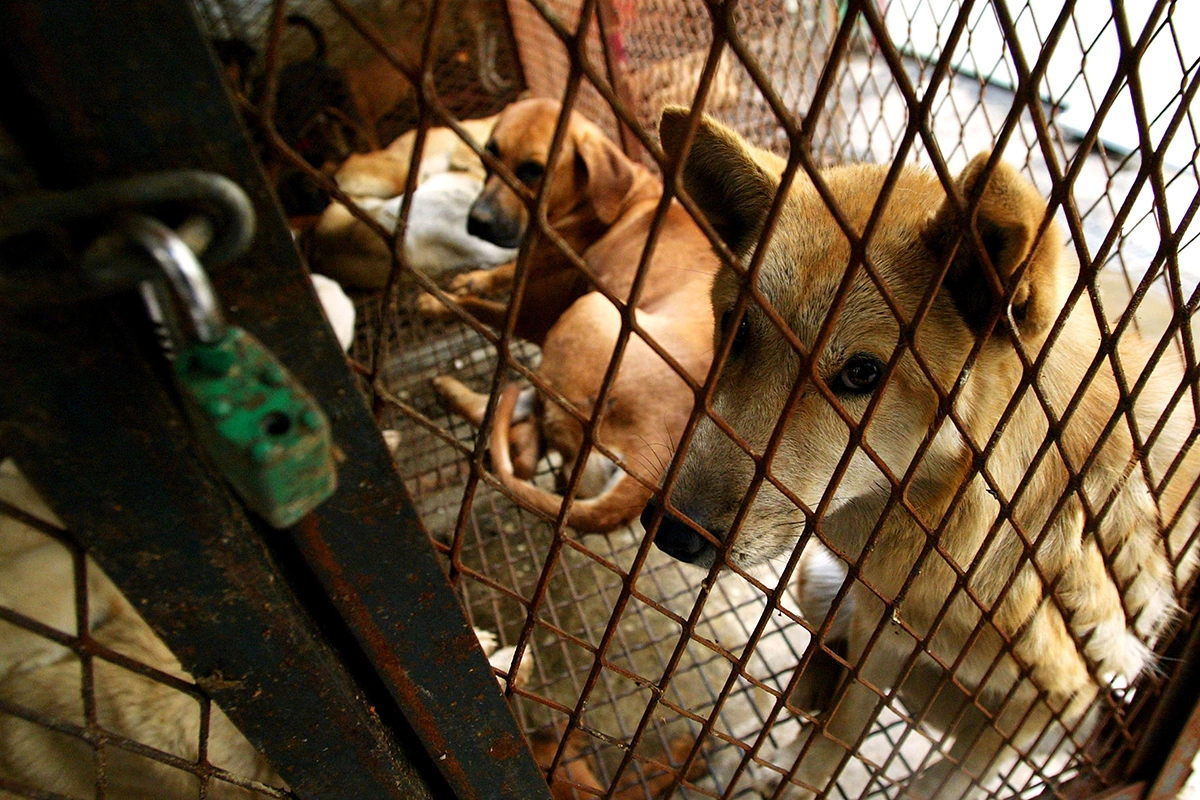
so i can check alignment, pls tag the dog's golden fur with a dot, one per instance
(38, 674)
(1057, 565)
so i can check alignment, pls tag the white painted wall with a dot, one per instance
(921, 27)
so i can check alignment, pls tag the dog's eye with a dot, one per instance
(742, 334)
(860, 375)
(529, 172)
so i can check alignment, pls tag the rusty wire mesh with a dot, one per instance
(92, 703)
(662, 669)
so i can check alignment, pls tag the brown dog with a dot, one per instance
(597, 200)
(647, 408)
(602, 204)
(640, 425)
(1003, 596)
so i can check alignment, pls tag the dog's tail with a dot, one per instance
(619, 504)
(318, 35)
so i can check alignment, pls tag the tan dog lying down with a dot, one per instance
(436, 238)
(435, 241)
(603, 204)
(598, 200)
(384, 173)
(36, 580)
(1044, 625)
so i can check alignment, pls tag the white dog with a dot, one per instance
(436, 240)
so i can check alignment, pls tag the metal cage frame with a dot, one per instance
(369, 602)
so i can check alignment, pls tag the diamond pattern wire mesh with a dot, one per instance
(92, 703)
(495, 551)
(610, 630)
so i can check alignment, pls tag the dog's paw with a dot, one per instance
(502, 659)
(479, 281)
(459, 398)
(430, 307)
(450, 388)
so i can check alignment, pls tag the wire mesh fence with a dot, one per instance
(936, 480)
(92, 703)
(924, 82)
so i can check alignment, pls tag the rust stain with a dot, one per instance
(505, 747)
(350, 604)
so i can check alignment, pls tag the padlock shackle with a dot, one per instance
(191, 291)
(218, 202)
(215, 195)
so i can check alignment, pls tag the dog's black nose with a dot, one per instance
(486, 221)
(675, 537)
(479, 223)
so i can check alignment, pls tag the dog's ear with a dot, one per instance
(1009, 216)
(609, 173)
(723, 177)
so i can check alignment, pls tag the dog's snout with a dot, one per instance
(480, 219)
(675, 537)
(487, 220)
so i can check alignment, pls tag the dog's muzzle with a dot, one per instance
(488, 221)
(675, 537)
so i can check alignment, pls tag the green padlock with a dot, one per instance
(265, 433)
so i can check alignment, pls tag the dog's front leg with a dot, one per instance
(484, 281)
(818, 682)
(466, 290)
(489, 312)
(854, 708)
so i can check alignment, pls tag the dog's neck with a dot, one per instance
(851, 523)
